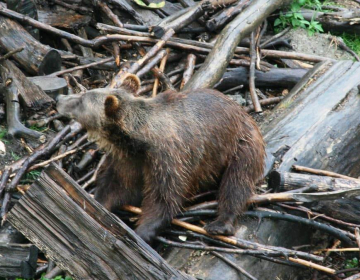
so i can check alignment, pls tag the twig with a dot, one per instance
(152, 63)
(65, 154)
(357, 236)
(318, 215)
(232, 241)
(117, 80)
(340, 234)
(206, 47)
(10, 54)
(203, 247)
(161, 68)
(189, 69)
(33, 157)
(93, 178)
(234, 265)
(62, 72)
(322, 172)
(4, 178)
(5, 207)
(267, 101)
(273, 38)
(254, 97)
(109, 13)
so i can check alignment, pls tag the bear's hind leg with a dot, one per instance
(236, 188)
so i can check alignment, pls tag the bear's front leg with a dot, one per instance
(156, 215)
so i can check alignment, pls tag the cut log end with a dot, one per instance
(50, 63)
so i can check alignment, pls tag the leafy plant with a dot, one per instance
(352, 41)
(40, 129)
(57, 278)
(295, 19)
(3, 133)
(15, 156)
(351, 263)
(150, 5)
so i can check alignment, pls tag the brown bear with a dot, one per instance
(162, 150)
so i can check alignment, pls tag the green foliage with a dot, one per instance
(295, 19)
(15, 156)
(151, 5)
(352, 41)
(32, 175)
(351, 263)
(55, 278)
(3, 133)
(40, 129)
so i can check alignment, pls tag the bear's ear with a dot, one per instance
(112, 105)
(131, 82)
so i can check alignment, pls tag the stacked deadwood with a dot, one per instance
(85, 240)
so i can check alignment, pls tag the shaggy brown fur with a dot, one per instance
(164, 149)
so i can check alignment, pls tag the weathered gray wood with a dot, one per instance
(317, 124)
(18, 260)
(81, 236)
(286, 181)
(35, 58)
(215, 64)
(52, 86)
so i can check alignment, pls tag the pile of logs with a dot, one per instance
(67, 47)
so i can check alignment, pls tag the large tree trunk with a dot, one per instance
(316, 125)
(216, 62)
(83, 238)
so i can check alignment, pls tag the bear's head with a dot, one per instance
(94, 108)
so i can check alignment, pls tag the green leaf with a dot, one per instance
(277, 22)
(151, 5)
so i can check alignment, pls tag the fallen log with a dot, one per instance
(18, 260)
(287, 181)
(215, 64)
(36, 58)
(83, 238)
(274, 78)
(342, 21)
(322, 109)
